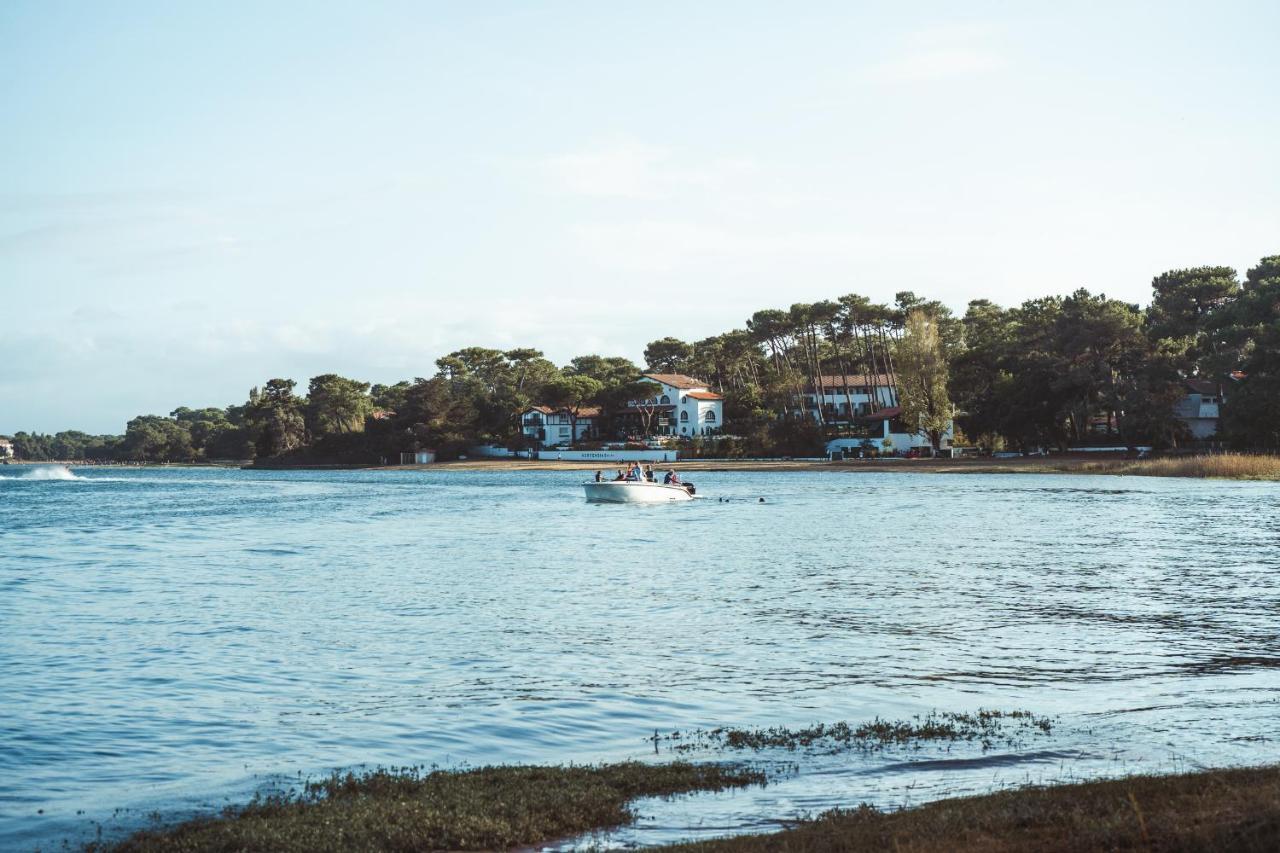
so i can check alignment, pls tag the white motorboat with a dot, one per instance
(637, 492)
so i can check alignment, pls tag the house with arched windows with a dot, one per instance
(682, 407)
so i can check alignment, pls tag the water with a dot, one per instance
(176, 639)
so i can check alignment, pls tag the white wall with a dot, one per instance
(884, 396)
(610, 457)
(900, 442)
(556, 428)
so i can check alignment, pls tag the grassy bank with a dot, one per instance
(500, 808)
(1218, 810)
(1228, 466)
(1235, 466)
(490, 808)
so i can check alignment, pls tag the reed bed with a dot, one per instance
(1227, 466)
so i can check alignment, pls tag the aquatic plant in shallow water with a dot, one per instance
(986, 727)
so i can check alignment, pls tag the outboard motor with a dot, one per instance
(688, 487)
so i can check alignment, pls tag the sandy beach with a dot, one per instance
(1031, 465)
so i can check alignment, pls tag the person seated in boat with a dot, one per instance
(620, 476)
(598, 477)
(648, 473)
(672, 479)
(635, 474)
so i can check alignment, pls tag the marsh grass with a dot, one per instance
(402, 809)
(1230, 466)
(1217, 810)
(986, 727)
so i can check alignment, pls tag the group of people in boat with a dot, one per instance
(635, 474)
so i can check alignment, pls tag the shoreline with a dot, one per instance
(1259, 468)
(521, 807)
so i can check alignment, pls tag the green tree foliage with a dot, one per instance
(668, 355)
(642, 392)
(1251, 327)
(70, 445)
(154, 438)
(336, 405)
(489, 388)
(573, 394)
(389, 398)
(1186, 305)
(275, 418)
(978, 375)
(922, 376)
(610, 370)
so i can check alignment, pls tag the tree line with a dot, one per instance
(1051, 372)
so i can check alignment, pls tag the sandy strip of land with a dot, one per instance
(923, 466)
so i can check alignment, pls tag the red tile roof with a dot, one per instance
(883, 414)
(588, 412)
(704, 395)
(836, 380)
(676, 380)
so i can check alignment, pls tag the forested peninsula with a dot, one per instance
(1051, 372)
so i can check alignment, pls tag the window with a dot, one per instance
(564, 431)
(684, 400)
(684, 417)
(711, 417)
(666, 401)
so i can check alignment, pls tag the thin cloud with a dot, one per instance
(942, 53)
(665, 245)
(642, 171)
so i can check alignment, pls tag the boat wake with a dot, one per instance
(45, 472)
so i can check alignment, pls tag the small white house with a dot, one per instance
(1199, 407)
(6, 448)
(682, 407)
(550, 427)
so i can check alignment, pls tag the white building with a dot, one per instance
(6, 448)
(551, 427)
(867, 411)
(682, 407)
(830, 401)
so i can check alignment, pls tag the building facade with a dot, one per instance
(863, 412)
(682, 407)
(1199, 408)
(548, 427)
(844, 399)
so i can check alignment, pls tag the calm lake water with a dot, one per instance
(175, 639)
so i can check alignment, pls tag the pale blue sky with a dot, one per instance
(195, 197)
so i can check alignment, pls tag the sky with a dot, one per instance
(197, 197)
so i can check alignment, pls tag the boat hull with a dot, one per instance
(631, 492)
